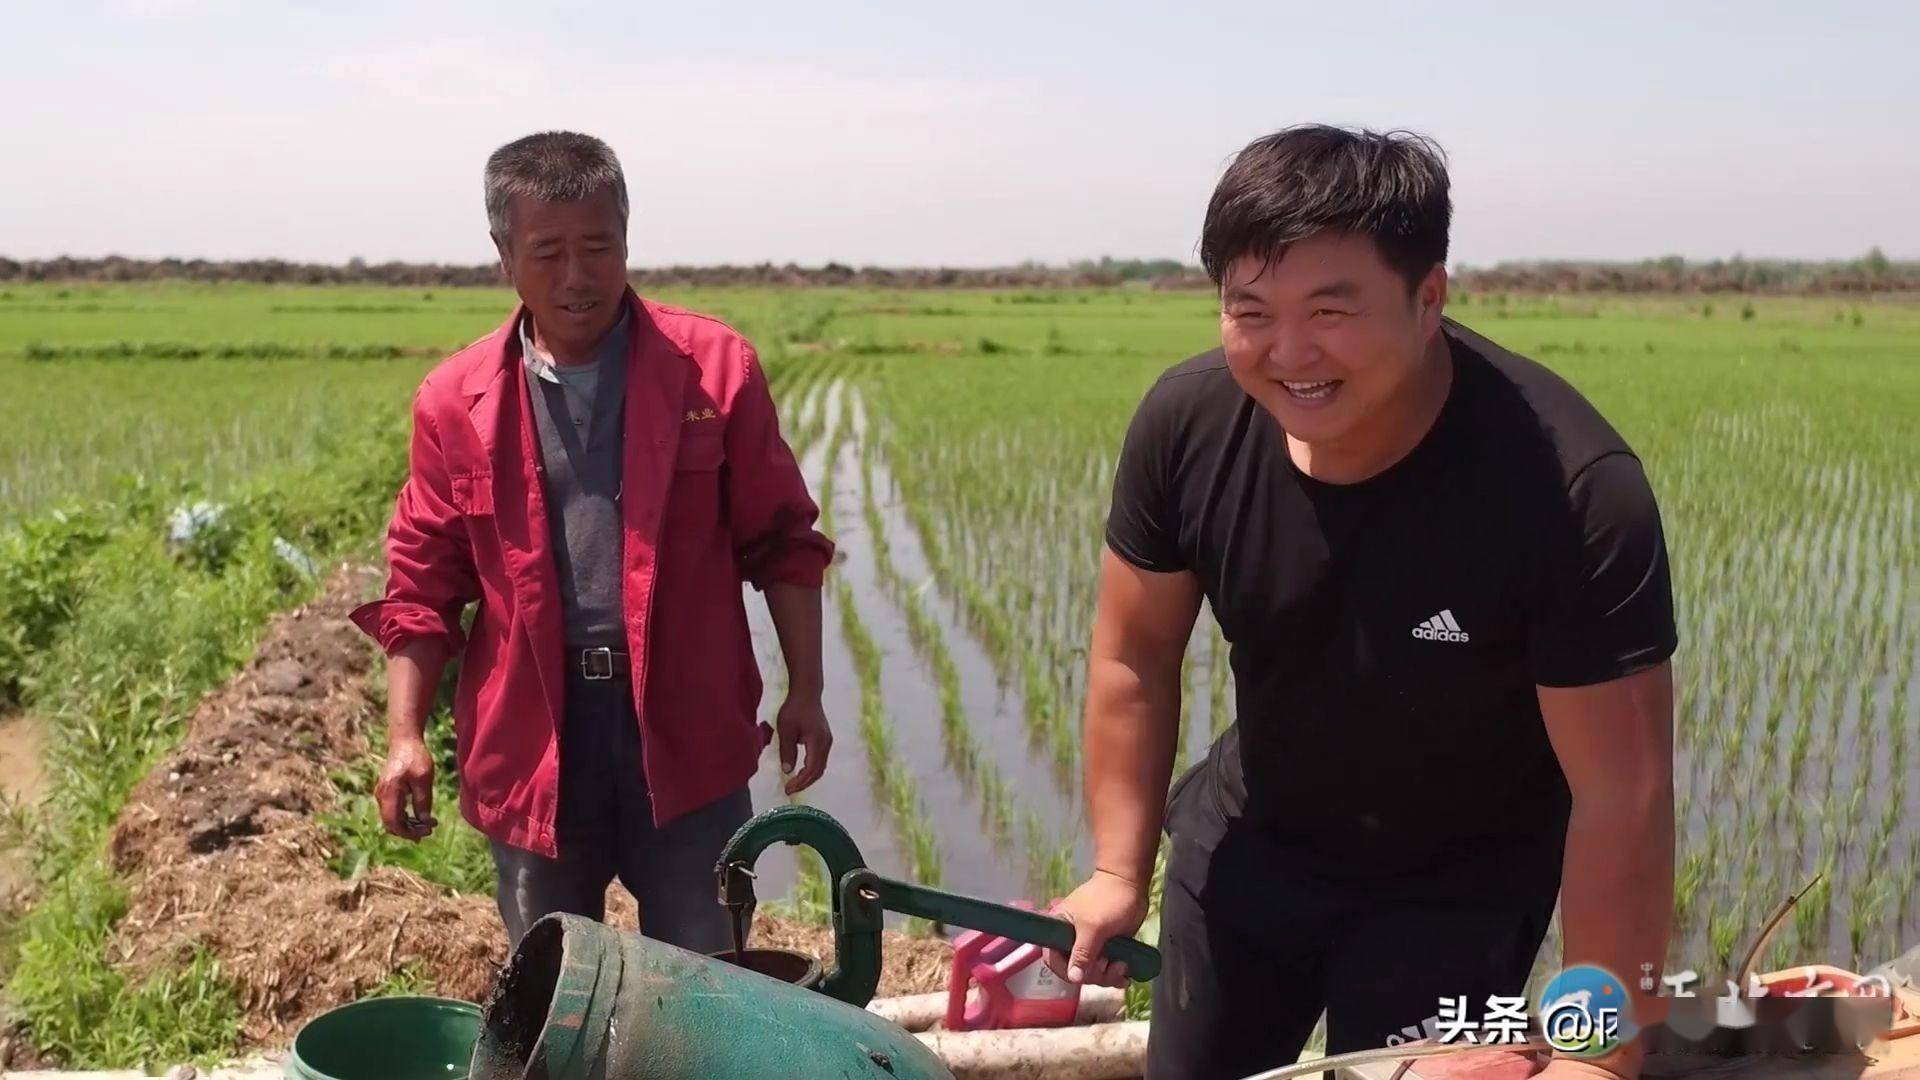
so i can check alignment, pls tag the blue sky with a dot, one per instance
(959, 134)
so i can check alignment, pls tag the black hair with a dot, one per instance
(1311, 178)
(551, 166)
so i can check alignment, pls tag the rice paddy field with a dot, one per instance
(961, 445)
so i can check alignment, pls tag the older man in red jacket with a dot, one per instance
(601, 474)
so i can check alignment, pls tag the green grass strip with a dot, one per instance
(131, 632)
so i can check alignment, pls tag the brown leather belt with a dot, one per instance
(601, 664)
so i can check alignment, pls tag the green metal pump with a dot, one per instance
(860, 898)
(581, 999)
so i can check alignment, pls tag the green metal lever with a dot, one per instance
(952, 909)
(860, 899)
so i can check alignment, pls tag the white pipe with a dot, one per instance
(920, 1012)
(1100, 1052)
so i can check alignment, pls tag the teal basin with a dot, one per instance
(388, 1038)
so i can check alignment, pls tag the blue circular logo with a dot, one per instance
(1585, 1011)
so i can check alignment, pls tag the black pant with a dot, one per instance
(1255, 947)
(605, 830)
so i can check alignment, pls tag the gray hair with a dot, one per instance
(551, 166)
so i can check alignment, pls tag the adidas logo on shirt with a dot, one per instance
(1440, 628)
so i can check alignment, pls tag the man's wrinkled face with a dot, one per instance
(1326, 334)
(568, 262)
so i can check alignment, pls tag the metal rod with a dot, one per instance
(1038, 928)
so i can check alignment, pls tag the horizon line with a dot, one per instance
(828, 265)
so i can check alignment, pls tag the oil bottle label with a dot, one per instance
(1037, 982)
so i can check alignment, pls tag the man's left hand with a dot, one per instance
(803, 723)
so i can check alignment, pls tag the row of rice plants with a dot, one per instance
(892, 780)
(1052, 863)
(963, 751)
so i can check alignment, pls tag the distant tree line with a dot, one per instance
(360, 272)
(1872, 273)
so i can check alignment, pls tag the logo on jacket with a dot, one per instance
(699, 414)
(1440, 628)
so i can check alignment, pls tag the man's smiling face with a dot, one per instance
(568, 262)
(1325, 336)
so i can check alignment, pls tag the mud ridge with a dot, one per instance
(221, 848)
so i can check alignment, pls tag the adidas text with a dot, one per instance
(1441, 627)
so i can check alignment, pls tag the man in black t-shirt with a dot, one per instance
(1444, 582)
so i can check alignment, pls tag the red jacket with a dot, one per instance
(711, 497)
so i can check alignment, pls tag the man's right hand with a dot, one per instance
(405, 790)
(1104, 906)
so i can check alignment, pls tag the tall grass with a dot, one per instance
(172, 624)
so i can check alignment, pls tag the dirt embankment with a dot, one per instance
(23, 781)
(23, 739)
(221, 848)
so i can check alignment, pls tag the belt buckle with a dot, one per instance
(596, 664)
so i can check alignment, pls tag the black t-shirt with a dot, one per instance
(1387, 636)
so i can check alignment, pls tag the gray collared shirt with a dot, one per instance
(577, 411)
(580, 381)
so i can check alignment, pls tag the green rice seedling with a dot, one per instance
(1051, 868)
(1862, 920)
(1687, 884)
(1811, 915)
(1801, 742)
(1724, 927)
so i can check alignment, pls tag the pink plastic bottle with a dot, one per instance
(997, 982)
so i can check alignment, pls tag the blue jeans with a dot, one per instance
(605, 830)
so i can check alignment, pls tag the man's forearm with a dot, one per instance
(1616, 898)
(1132, 723)
(413, 677)
(796, 621)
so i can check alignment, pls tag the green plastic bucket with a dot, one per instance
(389, 1038)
